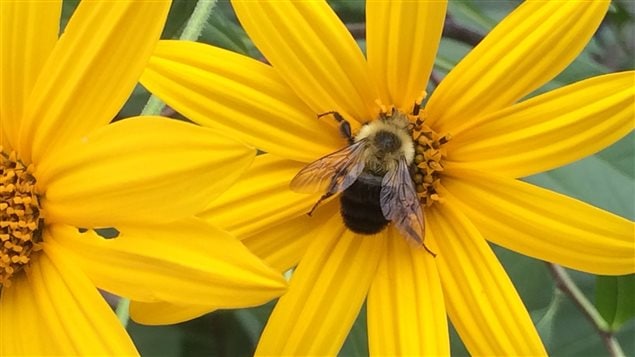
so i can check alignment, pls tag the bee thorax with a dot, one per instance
(386, 142)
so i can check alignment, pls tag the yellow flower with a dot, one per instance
(64, 170)
(474, 195)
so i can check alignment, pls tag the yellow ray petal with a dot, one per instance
(245, 98)
(527, 49)
(22, 329)
(78, 317)
(4, 140)
(261, 198)
(165, 313)
(402, 38)
(311, 48)
(144, 169)
(91, 72)
(406, 313)
(482, 303)
(28, 32)
(549, 130)
(326, 292)
(187, 261)
(281, 246)
(544, 224)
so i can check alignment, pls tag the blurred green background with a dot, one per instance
(604, 180)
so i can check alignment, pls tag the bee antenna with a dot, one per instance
(324, 196)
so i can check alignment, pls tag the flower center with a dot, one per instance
(20, 221)
(429, 158)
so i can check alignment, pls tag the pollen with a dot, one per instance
(429, 158)
(20, 220)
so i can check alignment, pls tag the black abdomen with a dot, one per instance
(360, 207)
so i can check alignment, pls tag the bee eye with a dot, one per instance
(387, 142)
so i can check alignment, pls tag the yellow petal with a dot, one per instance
(245, 98)
(544, 224)
(406, 313)
(326, 292)
(283, 245)
(76, 317)
(528, 48)
(4, 140)
(91, 72)
(261, 198)
(28, 32)
(23, 330)
(144, 169)
(402, 38)
(165, 313)
(482, 303)
(549, 130)
(188, 261)
(314, 52)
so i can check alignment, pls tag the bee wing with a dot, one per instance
(332, 173)
(400, 203)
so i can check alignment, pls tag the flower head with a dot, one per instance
(472, 140)
(64, 171)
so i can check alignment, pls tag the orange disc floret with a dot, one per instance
(20, 221)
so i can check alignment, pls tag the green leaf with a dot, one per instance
(450, 53)
(615, 299)
(349, 11)
(572, 333)
(620, 156)
(545, 319)
(223, 32)
(356, 343)
(480, 16)
(166, 341)
(68, 7)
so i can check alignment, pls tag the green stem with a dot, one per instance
(123, 311)
(198, 20)
(154, 106)
(191, 32)
(568, 286)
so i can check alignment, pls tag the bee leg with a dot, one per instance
(324, 196)
(345, 126)
(428, 250)
(345, 130)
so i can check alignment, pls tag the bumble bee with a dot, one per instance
(373, 175)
